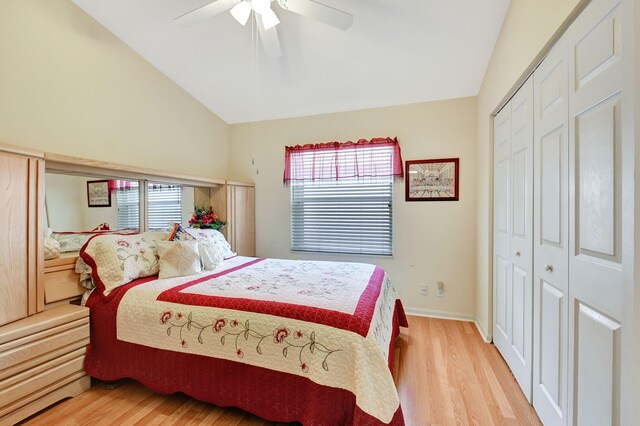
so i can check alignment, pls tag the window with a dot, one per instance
(164, 205)
(346, 216)
(342, 196)
(128, 204)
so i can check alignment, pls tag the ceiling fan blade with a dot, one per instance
(320, 12)
(209, 10)
(270, 40)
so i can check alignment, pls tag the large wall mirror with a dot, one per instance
(85, 204)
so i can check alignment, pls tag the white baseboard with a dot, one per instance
(431, 313)
(482, 332)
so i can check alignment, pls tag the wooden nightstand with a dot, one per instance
(42, 361)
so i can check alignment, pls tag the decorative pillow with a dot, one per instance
(118, 259)
(51, 248)
(102, 227)
(214, 237)
(178, 258)
(179, 234)
(210, 256)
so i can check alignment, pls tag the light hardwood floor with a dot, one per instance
(445, 374)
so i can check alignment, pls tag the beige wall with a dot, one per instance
(67, 85)
(527, 28)
(432, 241)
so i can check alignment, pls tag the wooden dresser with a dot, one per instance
(43, 338)
(42, 361)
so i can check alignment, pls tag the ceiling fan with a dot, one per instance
(267, 19)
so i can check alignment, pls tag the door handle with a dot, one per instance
(517, 253)
(548, 268)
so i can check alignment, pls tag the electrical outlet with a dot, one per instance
(424, 290)
(440, 289)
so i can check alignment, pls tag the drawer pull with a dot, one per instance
(548, 268)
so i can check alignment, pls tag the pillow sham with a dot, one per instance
(117, 259)
(51, 248)
(73, 241)
(213, 236)
(178, 258)
(210, 256)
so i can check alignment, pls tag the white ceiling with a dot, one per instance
(397, 52)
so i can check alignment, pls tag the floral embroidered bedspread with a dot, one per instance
(328, 322)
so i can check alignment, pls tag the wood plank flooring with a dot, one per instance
(445, 374)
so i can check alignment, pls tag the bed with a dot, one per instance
(286, 340)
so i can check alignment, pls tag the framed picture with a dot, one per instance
(98, 193)
(432, 180)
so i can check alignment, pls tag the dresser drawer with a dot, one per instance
(61, 285)
(21, 354)
(17, 388)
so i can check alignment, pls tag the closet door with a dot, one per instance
(521, 300)
(513, 179)
(595, 212)
(502, 231)
(551, 237)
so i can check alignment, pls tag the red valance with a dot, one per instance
(122, 185)
(377, 157)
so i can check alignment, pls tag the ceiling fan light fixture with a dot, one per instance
(241, 12)
(269, 19)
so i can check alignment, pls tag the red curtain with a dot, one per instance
(335, 160)
(122, 185)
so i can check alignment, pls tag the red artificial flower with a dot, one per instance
(219, 324)
(280, 333)
(297, 334)
(304, 367)
(240, 353)
(165, 316)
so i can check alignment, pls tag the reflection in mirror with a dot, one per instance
(168, 204)
(79, 206)
(68, 201)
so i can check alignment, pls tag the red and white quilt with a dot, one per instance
(286, 340)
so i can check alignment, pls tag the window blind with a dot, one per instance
(345, 216)
(127, 201)
(164, 205)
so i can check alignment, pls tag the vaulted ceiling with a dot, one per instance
(396, 52)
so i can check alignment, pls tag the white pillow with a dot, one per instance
(178, 258)
(51, 248)
(210, 256)
(214, 237)
(118, 259)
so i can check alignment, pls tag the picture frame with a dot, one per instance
(432, 180)
(98, 194)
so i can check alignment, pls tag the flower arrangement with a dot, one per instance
(204, 218)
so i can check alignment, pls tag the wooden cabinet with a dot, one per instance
(41, 361)
(234, 203)
(241, 218)
(21, 252)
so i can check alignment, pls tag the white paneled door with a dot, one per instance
(595, 214)
(513, 134)
(551, 237)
